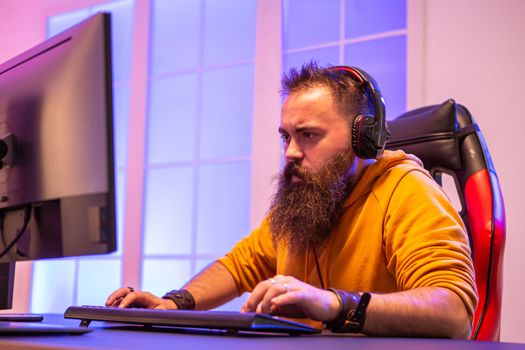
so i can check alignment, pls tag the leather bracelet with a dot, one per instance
(182, 298)
(351, 317)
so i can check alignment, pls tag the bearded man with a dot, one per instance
(363, 243)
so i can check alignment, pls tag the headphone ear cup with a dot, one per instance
(369, 132)
(362, 145)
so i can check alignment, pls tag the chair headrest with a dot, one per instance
(430, 133)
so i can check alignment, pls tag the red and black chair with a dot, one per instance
(448, 141)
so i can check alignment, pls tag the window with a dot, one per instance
(369, 34)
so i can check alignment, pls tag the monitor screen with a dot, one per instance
(56, 148)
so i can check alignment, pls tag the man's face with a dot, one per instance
(317, 177)
(312, 128)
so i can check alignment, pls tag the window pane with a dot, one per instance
(365, 17)
(172, 116)
(121, 99)
(175, 36)
(224, 207)
(325, 57)
(168, 214)
(97, 279)
(229, 31)
(227, 112)
(162, 275)
(53, 286)
(120, 195)
(310, 22)
(389, 73)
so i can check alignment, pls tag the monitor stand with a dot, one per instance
(7, 283)
(24, 324)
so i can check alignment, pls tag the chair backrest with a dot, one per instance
(447, 139)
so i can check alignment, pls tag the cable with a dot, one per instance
(27, 217)
(319, 274)
(2, 233)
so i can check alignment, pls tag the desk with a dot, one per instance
(112, 336)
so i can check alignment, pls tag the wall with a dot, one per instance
(473, 51)
(21, 28)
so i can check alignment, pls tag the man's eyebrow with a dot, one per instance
(306, 128)
(300, 129)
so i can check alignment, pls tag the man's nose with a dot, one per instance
(293, 151)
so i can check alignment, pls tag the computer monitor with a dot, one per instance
(57, 192)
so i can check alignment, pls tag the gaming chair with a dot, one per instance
(447, 139)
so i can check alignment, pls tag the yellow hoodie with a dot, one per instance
(398, 231)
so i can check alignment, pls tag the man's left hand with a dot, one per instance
(287, 296)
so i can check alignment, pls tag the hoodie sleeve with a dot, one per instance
(425, 240)
(252, 260)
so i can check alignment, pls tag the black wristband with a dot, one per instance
(351, 318)
(182, 298)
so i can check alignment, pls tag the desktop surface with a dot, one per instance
(112, 336)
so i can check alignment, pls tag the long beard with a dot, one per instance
(302, 214)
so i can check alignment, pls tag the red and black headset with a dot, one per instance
(369, 132)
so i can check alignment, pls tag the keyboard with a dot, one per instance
(230, 321)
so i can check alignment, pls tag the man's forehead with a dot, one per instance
(310, 93)
(311, 108)
(294, 120)
(307, 100)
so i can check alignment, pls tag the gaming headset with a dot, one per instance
(369, 132)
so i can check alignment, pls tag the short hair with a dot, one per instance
(349, 95)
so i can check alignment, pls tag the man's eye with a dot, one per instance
(308, 135)
(285, 138)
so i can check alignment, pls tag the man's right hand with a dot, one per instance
(126, 297)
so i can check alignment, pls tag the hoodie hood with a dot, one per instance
(387, 160)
